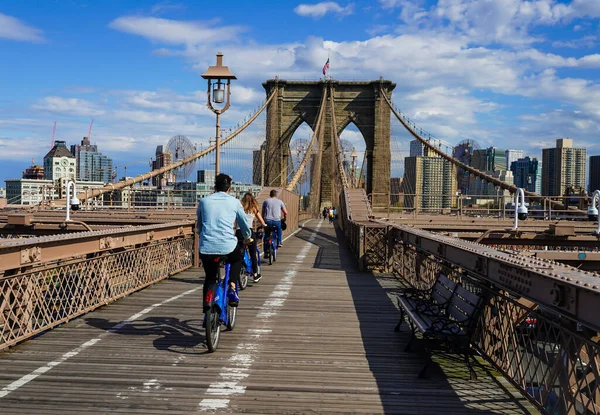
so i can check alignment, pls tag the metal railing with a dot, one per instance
(539, 325)
(50, 280)
(500, 206)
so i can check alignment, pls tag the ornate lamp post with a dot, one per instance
(216, 76)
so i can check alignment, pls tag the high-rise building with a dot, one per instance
(492, 161)
(489, 159)
(416, 148)
(563, 168)
(463, 152)
(92, 166)
(512, 156)
(206, 177)
(527, 173)
(429, 183)
(163, 159)
(594, 181)
(60, 163)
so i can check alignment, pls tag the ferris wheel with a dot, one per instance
(180, 147)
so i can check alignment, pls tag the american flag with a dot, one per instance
(326, 67)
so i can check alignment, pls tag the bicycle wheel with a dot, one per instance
(243, 278)
(270, 257)
(213, 329)
(274, 254)
(231, 315)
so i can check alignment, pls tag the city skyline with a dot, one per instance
(502, 73)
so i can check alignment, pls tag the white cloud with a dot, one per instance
(68, 106)
(319, 10)
(175, 32)
(14, 29)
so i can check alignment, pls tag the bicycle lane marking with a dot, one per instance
(231, 376)
(43, 369)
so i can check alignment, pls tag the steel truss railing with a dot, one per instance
(539, 326)
(50, 280)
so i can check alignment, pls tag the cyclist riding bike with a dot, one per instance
(272, 209)
(253, 215)
(216, 215)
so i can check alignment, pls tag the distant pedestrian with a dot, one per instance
(331, 215)
(335, 213)
(325, 212)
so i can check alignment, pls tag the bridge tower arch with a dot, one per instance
(361, 103)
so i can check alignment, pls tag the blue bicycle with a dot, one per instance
(247, 268)
(270, 244)
(217, 310)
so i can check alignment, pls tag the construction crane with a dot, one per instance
(53, 131)
(90, 130)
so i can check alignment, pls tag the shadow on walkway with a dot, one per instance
(173, 335)
(448, 389)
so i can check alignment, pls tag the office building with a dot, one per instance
(489, 159)
(206, 177)
(512, 156)
(429, 183)
(60, 163)
(563, 168)
(594, 182)
(28, 191)
(2, 192)
(416, 148)
(258, 165)
(92, 165)
(527, 174)
(163, 159)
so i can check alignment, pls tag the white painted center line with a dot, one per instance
(240, 363)
(43, 369)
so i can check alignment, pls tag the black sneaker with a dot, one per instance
(233, 298)
(257, 277)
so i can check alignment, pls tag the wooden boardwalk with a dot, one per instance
(314, 336)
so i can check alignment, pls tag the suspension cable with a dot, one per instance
(140, 178)
(337, 144)
(292, 184)
(463, 166)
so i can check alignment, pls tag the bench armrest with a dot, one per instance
(446, 326)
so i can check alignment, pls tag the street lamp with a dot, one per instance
(216, 76)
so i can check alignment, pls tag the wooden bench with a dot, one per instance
(446, 319)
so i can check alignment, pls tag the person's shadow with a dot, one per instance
(171, 334)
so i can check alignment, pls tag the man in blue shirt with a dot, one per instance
(217, 214)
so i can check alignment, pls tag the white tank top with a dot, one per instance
(250, 219)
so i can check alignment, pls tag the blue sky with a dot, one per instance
(511, 73)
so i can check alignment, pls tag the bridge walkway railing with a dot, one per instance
(540, 324)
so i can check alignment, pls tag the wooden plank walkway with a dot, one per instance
(314, 336)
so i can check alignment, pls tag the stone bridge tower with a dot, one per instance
(360, 103)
